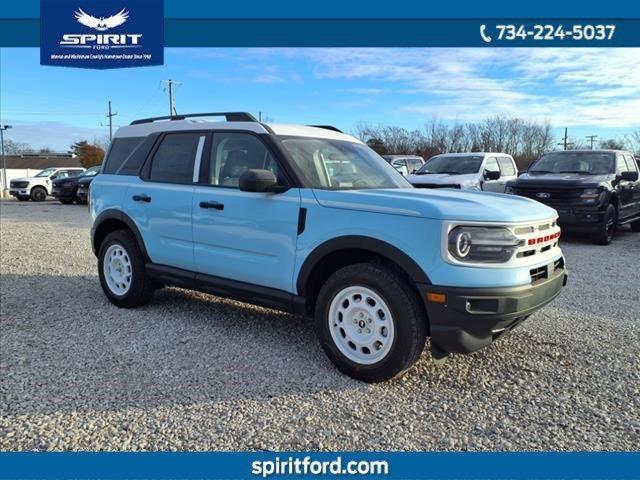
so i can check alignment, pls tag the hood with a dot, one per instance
(67, 179)
(438, 204)
(560, 180)
(86, 180)
(442, 179)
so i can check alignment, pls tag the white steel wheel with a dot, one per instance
(361, 325)
(117, 269)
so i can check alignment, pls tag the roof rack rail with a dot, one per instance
(229, 116)
(328, 127)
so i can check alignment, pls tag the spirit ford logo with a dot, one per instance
(105, 40)
(101, 39)
(102, 33)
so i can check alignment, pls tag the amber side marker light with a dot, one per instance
(436, 297)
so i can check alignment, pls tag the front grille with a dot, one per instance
(436, 185)
(19, 184)
(554, 197)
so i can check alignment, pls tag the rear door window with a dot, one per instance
(175, 157)
(120, 149)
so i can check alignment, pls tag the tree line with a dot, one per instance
(525, 140)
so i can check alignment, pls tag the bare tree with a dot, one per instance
(525, 140)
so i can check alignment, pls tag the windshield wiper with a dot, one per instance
(575, 171)
(451, 173)
(541, 171)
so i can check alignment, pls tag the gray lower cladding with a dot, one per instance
(472, 318)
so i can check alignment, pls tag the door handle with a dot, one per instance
(141, 198)
(212, 204)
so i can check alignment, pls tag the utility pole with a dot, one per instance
(5, 190)
(592, 139)
(565, 140)
(172, 104)
(260, 117)
(110, 117)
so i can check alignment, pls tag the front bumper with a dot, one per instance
(472, 318)
(59, 192)
(82, 193)
(19, 192)
(580, 219)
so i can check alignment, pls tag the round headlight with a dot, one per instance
(463, 244)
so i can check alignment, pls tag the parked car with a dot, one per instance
(487, 172)
(38, 187)
(250, 211)
(66, 189)
(405, 164)
(594, 191)
(84, 183)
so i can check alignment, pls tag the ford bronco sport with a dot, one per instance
(266, 214)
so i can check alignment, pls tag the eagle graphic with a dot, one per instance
(101, 24)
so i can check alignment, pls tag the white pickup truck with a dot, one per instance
(37, 188)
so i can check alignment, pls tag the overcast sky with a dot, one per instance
(591, 91)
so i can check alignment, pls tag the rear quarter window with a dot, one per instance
(119, 151)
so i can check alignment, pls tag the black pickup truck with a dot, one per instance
(67, 190)
(594, 191)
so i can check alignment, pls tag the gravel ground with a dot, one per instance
(192, 371)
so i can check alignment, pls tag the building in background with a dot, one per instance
(29, 164)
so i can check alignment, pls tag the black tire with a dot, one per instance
(66, 201)
(24, 198)
(635, 226)
(607, 229)
(38, 194)
(408, 317)
(141, 288)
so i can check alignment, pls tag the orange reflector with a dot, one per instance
(436, 297)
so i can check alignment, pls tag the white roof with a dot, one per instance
(144, 129)
(315, 132)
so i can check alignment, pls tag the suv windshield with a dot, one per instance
(590, 163)
(452, 164)
(341, 165)
(46, 172)
(91, 172)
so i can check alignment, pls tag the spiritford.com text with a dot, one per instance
(307, 466)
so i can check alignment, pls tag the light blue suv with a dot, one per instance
(311, 221)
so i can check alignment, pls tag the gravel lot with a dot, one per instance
(192, 371)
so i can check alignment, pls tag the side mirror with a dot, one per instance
(256, 180)
(491, 175)
(53, 177)
(629, 176)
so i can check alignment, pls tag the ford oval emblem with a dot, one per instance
(543, 195)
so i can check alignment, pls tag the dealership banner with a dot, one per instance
(131, 32)
(416, 466)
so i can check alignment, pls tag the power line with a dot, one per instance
(170, 91)
(591, 139)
